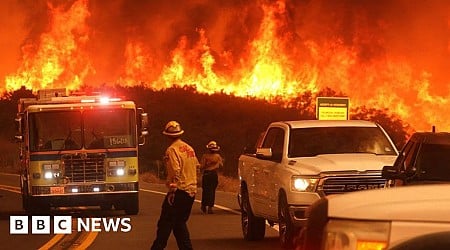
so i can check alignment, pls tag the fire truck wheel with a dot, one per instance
(35, 207)
(25, 199)
(132, 206)
(25, 203)
(106, 207)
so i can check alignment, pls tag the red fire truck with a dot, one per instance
(79, 150)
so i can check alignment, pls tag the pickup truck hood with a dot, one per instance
(425, 203)
(341, 162)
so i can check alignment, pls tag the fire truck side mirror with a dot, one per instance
(144, 123)
(143, 126)
(19, 137)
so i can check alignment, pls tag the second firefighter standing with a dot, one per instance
(210, 162)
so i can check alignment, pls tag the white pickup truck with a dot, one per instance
(296, 163)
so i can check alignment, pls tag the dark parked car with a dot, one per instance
(424, 159)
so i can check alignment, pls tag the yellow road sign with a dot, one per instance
(332, 108)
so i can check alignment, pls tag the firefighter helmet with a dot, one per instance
(212, 145)
(173, 129)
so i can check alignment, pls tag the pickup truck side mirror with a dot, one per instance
(267, 154)
(264, 153)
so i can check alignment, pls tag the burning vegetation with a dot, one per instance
(386, 55)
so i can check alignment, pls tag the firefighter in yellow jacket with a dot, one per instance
(209, 164)
(182, 164)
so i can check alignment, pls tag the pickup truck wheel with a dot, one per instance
(286, 227)
(253, 228)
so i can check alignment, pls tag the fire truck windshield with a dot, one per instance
(113, 128)
(74, 130)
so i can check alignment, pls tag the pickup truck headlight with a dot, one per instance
(356, 235)
(304, 183)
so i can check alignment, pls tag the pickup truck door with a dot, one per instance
(266, 172)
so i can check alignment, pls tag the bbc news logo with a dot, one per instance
(63, 225)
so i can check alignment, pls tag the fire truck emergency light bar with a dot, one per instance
(61, 94)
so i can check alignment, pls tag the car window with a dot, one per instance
(251, 148)
(434, 162)
(399, 162)
(410, 157)
(275, 141)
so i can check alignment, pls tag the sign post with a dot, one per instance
(332, 108)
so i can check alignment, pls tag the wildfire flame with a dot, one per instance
(275, 64)
(58, 59)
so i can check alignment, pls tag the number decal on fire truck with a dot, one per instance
(57, 190)
(115, 141)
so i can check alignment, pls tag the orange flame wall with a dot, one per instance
(386, 54)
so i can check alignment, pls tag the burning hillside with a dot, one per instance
(382, 54)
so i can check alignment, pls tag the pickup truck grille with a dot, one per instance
(345, 184)
(84, 167)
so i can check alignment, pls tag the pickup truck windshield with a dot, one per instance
(308, 142)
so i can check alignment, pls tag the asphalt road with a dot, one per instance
(221, 230)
